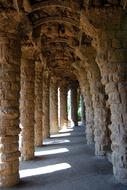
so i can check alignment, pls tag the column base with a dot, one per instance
(101, 150)
(90, 141)
(120, 175)
(28, 157)
(119, 168)
(54, 133)
(9, 181)
(38, 145)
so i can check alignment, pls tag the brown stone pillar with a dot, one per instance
(46, 104)
(63, 105)
(89, 112)
(114, 78)
(74, 104)
(85, 91)
(27, 99)
(10, 54)
(38, 104)
(53, 106)
(100, 118)
(83, 116)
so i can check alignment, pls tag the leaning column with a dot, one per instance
(53, 106)
(27, 108)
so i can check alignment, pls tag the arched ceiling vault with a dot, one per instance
(58, 23)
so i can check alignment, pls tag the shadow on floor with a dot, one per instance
(67, 163)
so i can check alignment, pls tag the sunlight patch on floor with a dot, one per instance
(44, 170)
(61, 135)
(56, 141)
(49, 152)
(66, 130)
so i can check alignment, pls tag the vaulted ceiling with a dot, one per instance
(57, 24)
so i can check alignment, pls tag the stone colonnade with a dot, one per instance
(109, 41)
(103, 81)
(30, 113)
(115, 81)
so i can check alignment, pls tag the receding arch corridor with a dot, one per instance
(66, 162)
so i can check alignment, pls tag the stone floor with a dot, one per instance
(67, 163)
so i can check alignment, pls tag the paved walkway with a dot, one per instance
(67, 163)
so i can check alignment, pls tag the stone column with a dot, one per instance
(114, 70)
(27, 98)
(63, 105)
(89, 112)
(85, 91)
(83, 117)
(74, 105)
(10, 54)
(46, 104)
(53, 106)
(38, 104)
(100, 118)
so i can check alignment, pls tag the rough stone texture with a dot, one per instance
(63, 105)
(74, 104)
(38, 103)
(27, 97)
(114, 79)
(101, 119)
(110, 43)
(53, 105)
(57, 29)
(46, 105)
(9, 109)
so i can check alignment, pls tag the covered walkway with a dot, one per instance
(66, 162)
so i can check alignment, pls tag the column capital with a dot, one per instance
(54, 79)
(38, 65)
(64, 83)
(46, 74)
(30, 50)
